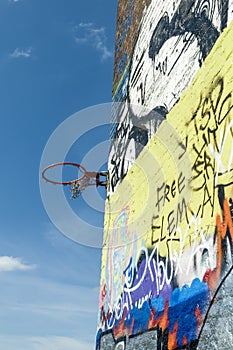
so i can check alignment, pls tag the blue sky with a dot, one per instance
(56, 58)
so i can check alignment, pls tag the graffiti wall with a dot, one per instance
(167, 276)
(160, 45)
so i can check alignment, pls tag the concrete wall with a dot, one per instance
(168, 240)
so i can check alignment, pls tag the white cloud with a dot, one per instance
(60, 343)
(13, 0)
(45, 343)
(8, 263)
(89, 34)
(21, 53)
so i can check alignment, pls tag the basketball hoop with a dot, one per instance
(79, 185)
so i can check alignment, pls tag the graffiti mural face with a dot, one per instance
(174, 40)
(175, 37)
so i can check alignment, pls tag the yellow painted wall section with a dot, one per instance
(174, 204)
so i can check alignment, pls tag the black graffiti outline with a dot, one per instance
(186, 21)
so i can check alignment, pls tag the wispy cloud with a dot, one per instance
(21, 53)
(8, 263)
(35, 306)
(45, 343)
(89, 34)
(13, 0)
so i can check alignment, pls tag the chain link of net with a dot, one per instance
(79, 186)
